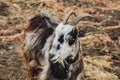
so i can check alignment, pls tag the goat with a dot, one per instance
(52, 50)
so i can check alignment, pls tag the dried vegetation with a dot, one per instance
(101, 44)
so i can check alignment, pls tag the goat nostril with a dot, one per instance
(51, 56)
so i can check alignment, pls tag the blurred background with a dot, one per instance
(101, 44)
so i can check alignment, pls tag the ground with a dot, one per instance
(101, 44)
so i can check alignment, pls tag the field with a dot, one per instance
(101, 44)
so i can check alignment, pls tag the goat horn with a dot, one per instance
(78, 18)
(67, 17)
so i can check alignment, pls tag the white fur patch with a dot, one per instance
(65, 49)
(63, 29)
(45, 50)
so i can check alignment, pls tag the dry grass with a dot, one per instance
(99, 45)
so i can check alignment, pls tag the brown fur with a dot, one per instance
(32, 53)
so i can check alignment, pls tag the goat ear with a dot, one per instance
(81, 33)
(51, 22)
(49, 18)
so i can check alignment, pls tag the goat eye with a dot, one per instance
(71, 40)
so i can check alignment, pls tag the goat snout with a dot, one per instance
(51, 56)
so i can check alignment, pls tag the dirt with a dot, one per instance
(101, 41)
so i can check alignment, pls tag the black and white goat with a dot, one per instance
(52, 50)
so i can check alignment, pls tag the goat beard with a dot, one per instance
(58, 70)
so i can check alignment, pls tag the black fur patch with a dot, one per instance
(58, 47)
(37, 23)
(73, 35)
(58, 71)
(61, 40)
